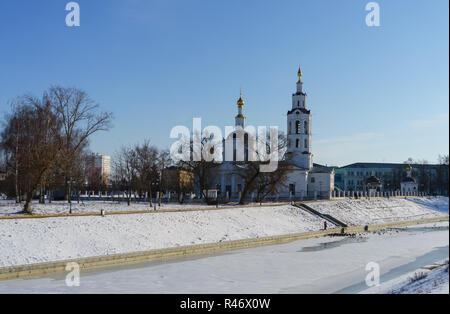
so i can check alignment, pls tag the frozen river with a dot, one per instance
(325, 265)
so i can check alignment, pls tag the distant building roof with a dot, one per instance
(371, 165)
(317, 168)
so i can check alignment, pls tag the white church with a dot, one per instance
(409, 186)
(306, 180)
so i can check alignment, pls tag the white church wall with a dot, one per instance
(299, 179)
(322, 183)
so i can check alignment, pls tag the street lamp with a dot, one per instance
(70, 194)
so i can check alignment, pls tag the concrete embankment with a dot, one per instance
(177, 252)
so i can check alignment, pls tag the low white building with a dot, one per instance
(409, 184)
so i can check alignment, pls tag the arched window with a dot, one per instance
(297, 144)
(306, 127)
(290, 128)
(297, 127)
(306, 143)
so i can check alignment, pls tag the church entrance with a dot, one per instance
(292, 189)
(228, 191)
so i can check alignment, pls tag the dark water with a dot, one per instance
(421, 229)
(360, 239)
(334, 244)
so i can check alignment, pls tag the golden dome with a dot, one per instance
(409, 168)
(240, 101)
(299, 75)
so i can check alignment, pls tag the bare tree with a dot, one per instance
(80, 117)
(146, 168)
(12, 131)
(138, 169)
(36, 148)
(264, 183)
(270, 183)
(124, 171)
(204, 171)
(164, 162)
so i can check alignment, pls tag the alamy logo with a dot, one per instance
(373, 17)
(248, 144)
(373, 277)
(73, 17)
(73, 277)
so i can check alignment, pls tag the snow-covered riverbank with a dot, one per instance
(8, 207)
(433, 279)
(28, 241)
(382, 210)
(321, 265)
(368, 210)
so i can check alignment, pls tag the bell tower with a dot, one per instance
(240, 118)
(299, 129)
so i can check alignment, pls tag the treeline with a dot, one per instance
(44, 142)
(138, 170)
(143, 170)
(433, 179)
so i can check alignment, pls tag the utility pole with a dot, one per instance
(16, 157)
(70, 194)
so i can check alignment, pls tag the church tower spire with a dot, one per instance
(299, 74)
(240, 118)
(299, 128)
(300, 83)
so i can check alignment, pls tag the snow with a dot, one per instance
(60, 207)
(435, 282)
(324, 265)
(362, 211)
(26, 241)
(382, 210)
(438, 203)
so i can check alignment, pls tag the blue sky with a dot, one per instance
(376, 94)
